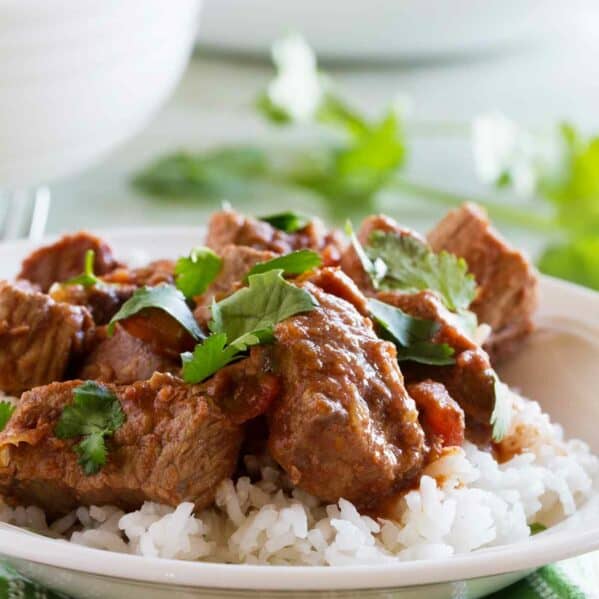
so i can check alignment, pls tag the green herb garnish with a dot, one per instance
(95, 414)
(194, 273)
(290, 222)
(576, 260)
(411, 266)
(376, 268)
(210, 356)
(501, 416)
(217, 173)
(268, 300)
(294, 263)
(412, 336)
(6, 411)
(163, 297)
(87, 278)
(536, 528)
(248, 317)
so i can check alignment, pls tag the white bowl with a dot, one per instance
(385, 29)
(558, 368)
(78, 77)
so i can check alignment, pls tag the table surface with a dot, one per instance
(538, 86)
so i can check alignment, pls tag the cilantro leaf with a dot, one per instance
(290, 222)
(271, 112)
(214, 353)
(248, 317)
(412, 266)
(92, 452)
(164, 297)
(576, 260)
(501, 416)
(95, 413)
(87, 278)
(222, 172)
(294, 263)
(207, 358)
(574, 188)
(335, 111)
(367, 164)
(6, 411)
(412, 336)
(194, 273)
(376, 268)
(267, 300)
(536, 528)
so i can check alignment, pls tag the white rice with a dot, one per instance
(466, 500)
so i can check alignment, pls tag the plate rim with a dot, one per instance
(515, 557)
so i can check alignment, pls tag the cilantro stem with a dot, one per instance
(508, 214)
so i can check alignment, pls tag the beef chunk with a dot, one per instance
(344, 425)
(65, 259)
(231, 228)
(175, 445)
(124, 359)
(155, 273)
(38, 336)
(103, 301)
(336, 282)
(247, 388)
(440, 416)
(508, 286)
(427, 305)
(471, 380)
(237, 261)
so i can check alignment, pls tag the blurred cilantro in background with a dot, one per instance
(360, 157)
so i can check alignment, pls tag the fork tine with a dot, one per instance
(16, 215)
(26, 215)
(39, 216)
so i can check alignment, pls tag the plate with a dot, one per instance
(557, 368)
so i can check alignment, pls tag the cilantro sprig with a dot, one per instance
(375, 268)
(536, 528)
(194, 273)
(402, 262)
(294, 263)
(411, 336)
(245, 318)
(367, 158)
(164, 297)
(87, 278)
(221, 173)
(289, 222)
(412, 266)
(574, 195)
(215, 353)
(95, 414)
(267, 300)
(6, 411)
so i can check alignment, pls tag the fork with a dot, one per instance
(26, 214)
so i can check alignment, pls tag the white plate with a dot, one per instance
(558, 368)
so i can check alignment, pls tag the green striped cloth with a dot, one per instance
(576, 578)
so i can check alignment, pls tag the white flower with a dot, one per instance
(298, 88)
(502, 148)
